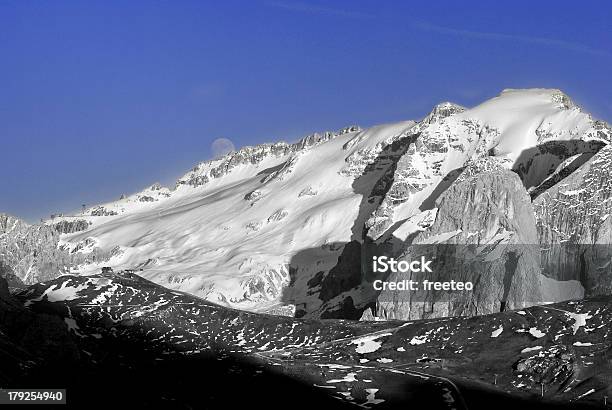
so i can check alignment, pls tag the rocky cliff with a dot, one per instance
(33, 253)
(574, 225)
(484, 233)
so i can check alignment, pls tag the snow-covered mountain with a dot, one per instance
(291, 227)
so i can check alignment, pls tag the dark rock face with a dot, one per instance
(564, 157)
(102, 211)
(4, 289)
(342, 289)
(253, 196)
(555, 365)
(29, 340)
(10, 279)
(66, 226)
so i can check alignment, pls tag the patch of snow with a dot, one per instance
(324, 387)
(418, 340)
(535, 332)
(531, 349)
(579, 320)
(573, 192)
(58, 293)
(497, 331)
(585, 394)
(369, 344)
(349, 378)
(371, 397)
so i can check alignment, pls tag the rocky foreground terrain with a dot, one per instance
(118, 338)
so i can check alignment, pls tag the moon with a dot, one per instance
(221, 147)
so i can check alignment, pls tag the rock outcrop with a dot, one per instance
(484, 233)
(10, 279)
(33, 253)
(209, 170)
(72, 226)
(574, 223)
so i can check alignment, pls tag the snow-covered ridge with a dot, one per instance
(207, 170)
(201, 174)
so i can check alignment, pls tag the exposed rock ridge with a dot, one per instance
(208, 170)
(32, 253)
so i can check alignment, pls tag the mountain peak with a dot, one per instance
(554, 95)
(443, 110)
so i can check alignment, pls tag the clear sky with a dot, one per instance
(103, 98)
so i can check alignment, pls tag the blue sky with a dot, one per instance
(103, 98)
